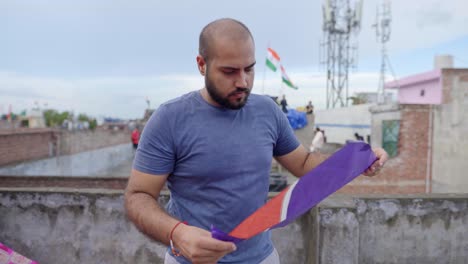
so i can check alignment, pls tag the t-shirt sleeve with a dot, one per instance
(287, 140)
(155, 153)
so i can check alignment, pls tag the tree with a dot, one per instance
(92, 124)
(358, 99)
(91, 121)
(83, 117)
(53, 118)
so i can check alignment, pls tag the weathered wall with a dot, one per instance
(340, 124)
(408, 171)
(381, 113)
(33, 144)
(395, 230)
(86, 140)
(413, 144)
(72, 227)
(450, 139)
(26, 145)
(88, 163)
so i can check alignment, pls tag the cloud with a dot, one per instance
(415, 25)
(106, 57)
(104, 38)
(433, 16)
(123, 97)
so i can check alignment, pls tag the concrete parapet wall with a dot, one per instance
(73, 228)
(89, 163)
(86, 140)
(340, 124)
(450, 137)
(418, 229)
(91, 227)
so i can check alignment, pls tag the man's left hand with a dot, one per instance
(382, 157)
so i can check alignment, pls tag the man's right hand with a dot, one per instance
(198, 246)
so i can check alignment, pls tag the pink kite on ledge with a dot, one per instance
(339, 169)
(8, 256)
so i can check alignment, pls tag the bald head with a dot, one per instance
(225, 28)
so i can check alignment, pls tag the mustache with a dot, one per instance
(240, 90)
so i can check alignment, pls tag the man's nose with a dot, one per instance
(242, 79)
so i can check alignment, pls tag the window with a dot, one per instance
(390, 132)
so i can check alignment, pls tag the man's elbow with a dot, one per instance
(129, 197)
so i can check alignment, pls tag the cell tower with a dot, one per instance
(340, 23)
(382, 31)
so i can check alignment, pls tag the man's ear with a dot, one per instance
(201, 63)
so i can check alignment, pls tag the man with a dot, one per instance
(358, 137)
(214, 149)
(318, 140)
(135, 138)
(310, 108)
(284, 104)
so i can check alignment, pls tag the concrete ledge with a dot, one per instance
(66, 225)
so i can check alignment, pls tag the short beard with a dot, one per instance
(224, 101)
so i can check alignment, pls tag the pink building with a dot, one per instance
(424, 88)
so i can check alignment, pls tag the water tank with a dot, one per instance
(443, 61)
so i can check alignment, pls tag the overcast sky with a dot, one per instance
(104, 58)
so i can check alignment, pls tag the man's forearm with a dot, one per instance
(313, 160)
(148, 216)
(300, 161)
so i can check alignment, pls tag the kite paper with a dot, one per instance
(329, 176)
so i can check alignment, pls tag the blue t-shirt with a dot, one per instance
(218, 161)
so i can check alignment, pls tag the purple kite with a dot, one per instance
(339, 169)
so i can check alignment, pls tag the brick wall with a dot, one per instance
(407, 172)
(25, 145)
(33, 144)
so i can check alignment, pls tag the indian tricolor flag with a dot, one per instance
(286, 79)
(272, 60)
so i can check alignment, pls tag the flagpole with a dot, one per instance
(282, 83)
(282, 88)
(263, 81)
(264, 72)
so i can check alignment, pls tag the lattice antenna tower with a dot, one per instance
(341, 25)
(382, 31)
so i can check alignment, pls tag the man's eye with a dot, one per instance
(249, 69)
(228, 72)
